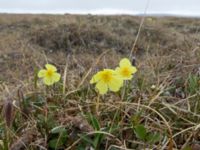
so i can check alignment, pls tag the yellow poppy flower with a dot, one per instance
(107, 80)
(125, 69)
(49, 75)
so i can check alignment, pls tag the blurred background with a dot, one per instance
(132, 7)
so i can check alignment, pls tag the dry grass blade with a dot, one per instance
(92, 133)
(170, 141)
(65, 76)
(77, 122)
(89, 71)
(139, 30)
(24, 141)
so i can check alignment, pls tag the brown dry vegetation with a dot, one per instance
(167, 55)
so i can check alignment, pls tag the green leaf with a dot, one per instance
(59, 135)
(193, 84)
(135, 119)
(113, 128)
(58, 129)
(50, 122)
(35, 77)
(97, 140)
(187, 148)
(87, 139)
(140, 132)
(153, 137)
(95, 122)
(54, 143)
(81, 147)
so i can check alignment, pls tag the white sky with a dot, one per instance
(178, 7)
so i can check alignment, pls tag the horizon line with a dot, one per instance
(102, 12)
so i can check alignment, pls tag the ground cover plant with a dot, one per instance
(99, 82)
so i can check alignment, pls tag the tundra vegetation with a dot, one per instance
(72, 82)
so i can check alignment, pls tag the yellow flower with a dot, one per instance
(107, 80)
(49, 75)
(125, 69)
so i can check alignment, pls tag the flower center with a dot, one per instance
(49, 73)
(106, 77)
(125, 72)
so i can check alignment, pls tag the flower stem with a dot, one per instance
(97, 104)
(124, 91)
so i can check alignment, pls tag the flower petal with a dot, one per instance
(56, 77)
(102, 87)
(51, 67)
(128, 77)
(124, 62)
(95, 78)
(48, 81)
(42, 73)
(117, 70)
(115, 84)
(133, 70)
